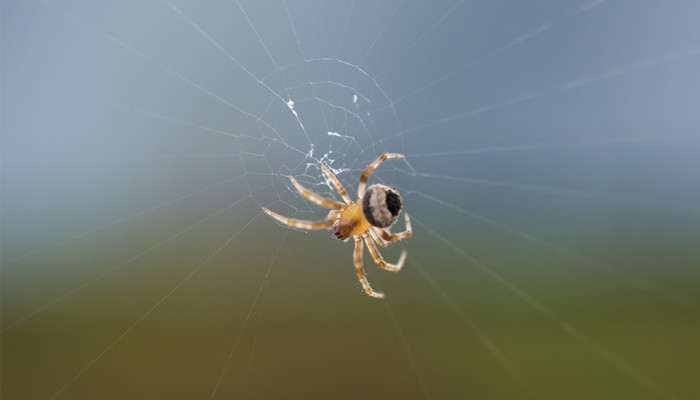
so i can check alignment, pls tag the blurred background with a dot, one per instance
(551, 173)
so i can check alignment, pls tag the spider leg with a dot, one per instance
(298, 223)
(378, 257)
(378, 239)
(357, 257)
(337, 184)
(316, 198)
(390, 237)
(365, 175)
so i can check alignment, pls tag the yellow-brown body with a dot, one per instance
(352, 222)
(366, 220)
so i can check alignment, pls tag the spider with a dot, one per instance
(375, 210)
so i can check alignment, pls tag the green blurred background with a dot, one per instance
(551, 174)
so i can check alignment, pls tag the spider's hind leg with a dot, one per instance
(390, 237)
(365, 175)
(378, 257)
(377, 239)
(357, 257)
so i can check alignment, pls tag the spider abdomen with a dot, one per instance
(381, 205)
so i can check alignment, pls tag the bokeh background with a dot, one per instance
(551, 173)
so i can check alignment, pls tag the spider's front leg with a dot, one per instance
(357, 257)
(303, 224)
(338, 186)
(316, 198)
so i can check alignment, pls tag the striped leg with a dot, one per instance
(390, 237)
(337, 184)
(357, 257)
(378, 239)
(316, 198)
(298, 223)
(365, 175)
(378, 257)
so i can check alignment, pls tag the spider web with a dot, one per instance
(550, 174)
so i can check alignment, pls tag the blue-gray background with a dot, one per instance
(552, 175)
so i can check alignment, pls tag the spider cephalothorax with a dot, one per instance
(375, 210)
